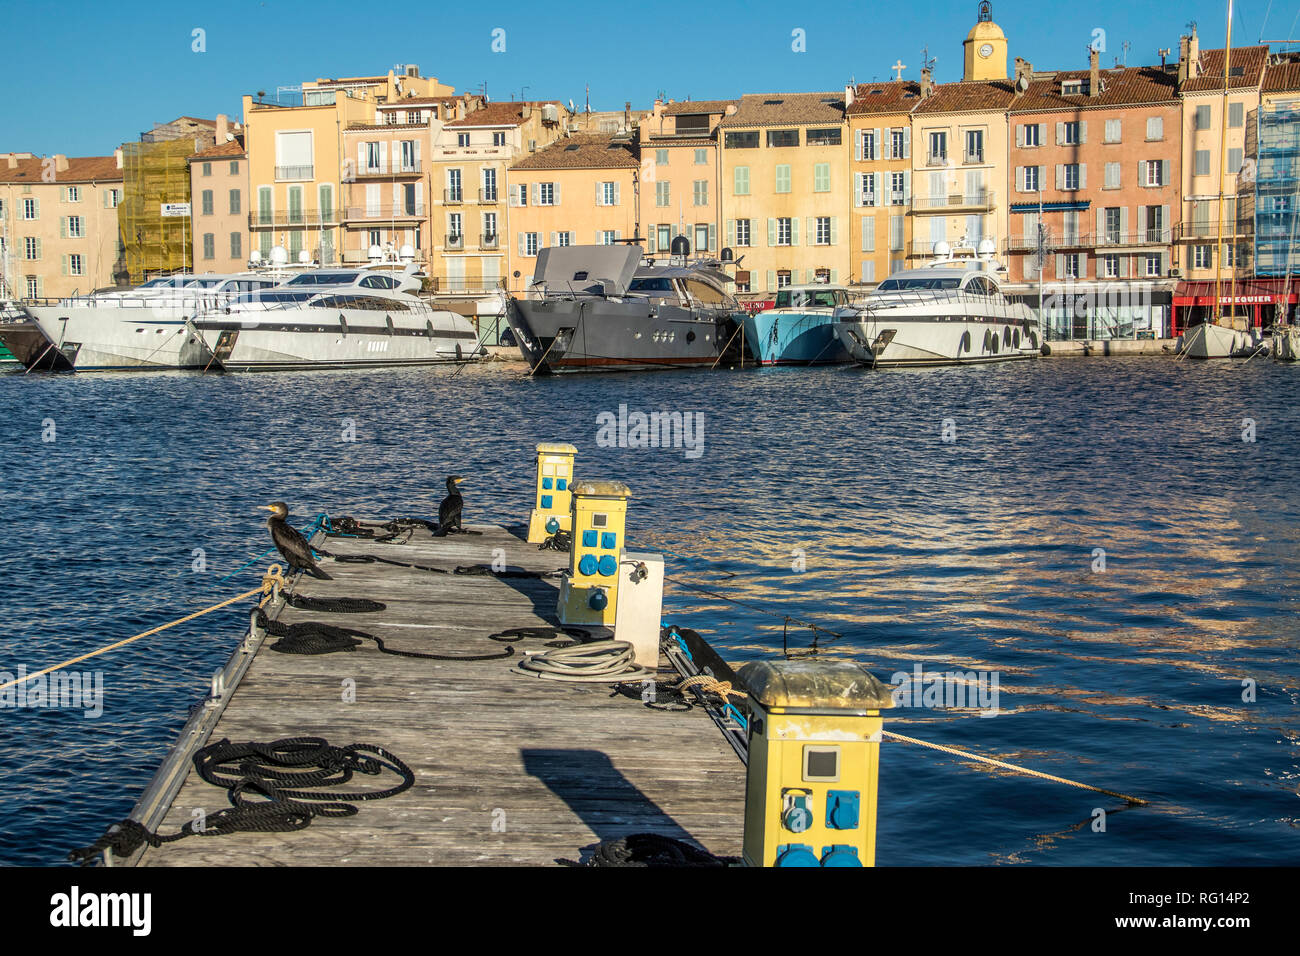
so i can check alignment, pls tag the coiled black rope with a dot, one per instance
(376, 559)
(272, 788)
(560, 541)
(317, 637)
(556, 635)
(336, 605)
(652, 849)
(507, 573)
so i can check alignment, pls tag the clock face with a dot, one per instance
(986, 50)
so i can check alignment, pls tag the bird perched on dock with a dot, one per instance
(297, 552)
(450, 509)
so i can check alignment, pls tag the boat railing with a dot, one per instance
(155, 300)
(894, 298)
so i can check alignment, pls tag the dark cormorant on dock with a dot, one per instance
(450, 509)
(291, 544)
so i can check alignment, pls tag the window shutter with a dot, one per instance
(835, 277)
(617, 194)
(794, 276)
(868, 233)
(907, 187)
(1101, 226)
(521, 244)
(1083, 265)
(1060, 266)
(1083, 131)
(64, 264)
(1123, 267)
(1083, 176)
(1123, 223)
(907, 142)
(771, 231)
(877, 180)
(1060, 134)
(537, 194)
(1060, 176)
(857, 147)
(554, 241)
(713, 237)
(600, 194)
(555, 193)
(731, 232)
(857, 188)
(835, 232)
(1165, 230)
(1164, 263)
(1142, 173)
(383, 156)
(810, 229)
(771, 280)
(39, 245)
(1020, 135)
(1142, 223)
(877, 147)
(63, 228)
(794, 230)
(1020, 175)
(1164, 171)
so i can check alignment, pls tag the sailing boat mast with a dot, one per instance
(1223, 164)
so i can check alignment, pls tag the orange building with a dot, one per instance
(679, 173)
(880, 128)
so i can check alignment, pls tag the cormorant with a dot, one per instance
(449, 510)
(291, 544)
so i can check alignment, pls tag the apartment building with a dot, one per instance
(880, 126)
(219, 206)
(471, 155)
(784, 175)
(299, 164)
(58, 224)
(1095, 161)
(581, 189)
(680, 165)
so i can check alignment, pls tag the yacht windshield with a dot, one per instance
(323, 278)
(918, 282)
(656, 284)
(805, 298)
(276, 296)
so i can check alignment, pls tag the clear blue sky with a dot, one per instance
(82, 77)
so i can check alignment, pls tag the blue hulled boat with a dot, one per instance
(800, 329)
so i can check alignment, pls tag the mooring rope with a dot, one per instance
(1136, 801)
(595, 662)
(272, 578)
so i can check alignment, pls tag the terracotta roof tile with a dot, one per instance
(894, 96)
(584, 151)
(1126, 86)
(501, 114)
(1251, 60)
(667, 141)
(698, 106)
(1282, 78)
(787, 109)
(81, 169)
(232, 149)
(968, 96)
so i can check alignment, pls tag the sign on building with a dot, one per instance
(175, 209)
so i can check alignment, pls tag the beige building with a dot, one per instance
(879, 117)
(580, 190)
(58, 224)
(469, 161)
(297, 160)
(219, 203)
(783, 182)
(680, 166)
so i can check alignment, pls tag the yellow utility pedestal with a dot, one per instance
(554, 482)
(814, 751)
(589, 592)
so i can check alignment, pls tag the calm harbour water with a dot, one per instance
(974, 554)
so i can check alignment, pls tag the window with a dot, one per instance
(75, 267)
(1070, 176)
(114, 197)
(898, 144)
(1113, 225)
(868, 144)
(1114, 130)
(1203, 117)
(75, 227)
(207, 202)
(701, 157)
(665, 238)
(31, 208)
(783, 231)
(31, 248)
(607, 237)
(1152, 269)
(1071, 266)
(1108, 267)
(235, 203)
(1034, 134)
(974, 146)
(662, 193)
(702, 237)
(742, 280)
(498, 138)
(1070, 134)
(783, 278)
(209, 246)
(207, 169)
(455, 227)
(1155, 128)
(868, 181)
(701, 192)
(1072, 87)
(607, 194)
(824, 137)
(74, 194)
(783, 178)
(234, 167)
(546, 194)
(897, 189)
(1155, 172)
(1033, 178)
(530, 244)
(1236, 115)
(489, 226)
(745, 140)
(740, 185)
(822, 235)
(742, 232)
(236, 246)
(408, 155)
(1234, 161)
(564, 238)
(1201, 257)
(462, 139)
(1229, 255)
(822, 177)
(661, 157)
(372, 157)
(938, 148)
(33, 287)
(782, 137)
(1155, 224)
(1202, 162)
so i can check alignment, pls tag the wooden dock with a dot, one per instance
(509, 769)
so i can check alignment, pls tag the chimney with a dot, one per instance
(849, 92)
(1189, 55)
(627, 114)
(525, 111)
(927, 82)
(13, 159)
(1094, 73)
(117, 157)
(60, 162)
(223, 127)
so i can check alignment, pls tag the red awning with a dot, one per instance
(1267, 291)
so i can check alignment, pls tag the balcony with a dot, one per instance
(936, 159)
(983, 200)
(1106, 241)
(455, 243)
(381, 172)
(453, 197)
(294, 173)
(304, 217)
(487, 195)
(381, 211)
(973, 157)
(490, 241)
(1209, 229)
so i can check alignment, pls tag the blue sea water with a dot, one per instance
(1124, 667)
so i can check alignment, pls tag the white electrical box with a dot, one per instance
(640, 604)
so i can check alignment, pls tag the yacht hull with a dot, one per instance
(1210, 341)
(888, 339)
(1286, 345)
(794, 337)
(104, 337)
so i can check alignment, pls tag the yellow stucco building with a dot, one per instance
(680, 165)
(879, 118)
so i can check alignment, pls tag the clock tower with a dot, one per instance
(986, 48)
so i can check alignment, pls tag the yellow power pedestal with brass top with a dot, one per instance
(814, 752)
(589, 592)
(551, 511)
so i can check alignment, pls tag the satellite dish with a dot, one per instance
(726, 255)
(255, 256)
(681, 246)
(406, 253)
(942, 250)
(986, 248)
(1023, 83)
(375, 253)
(279, 256)
(304, 257)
